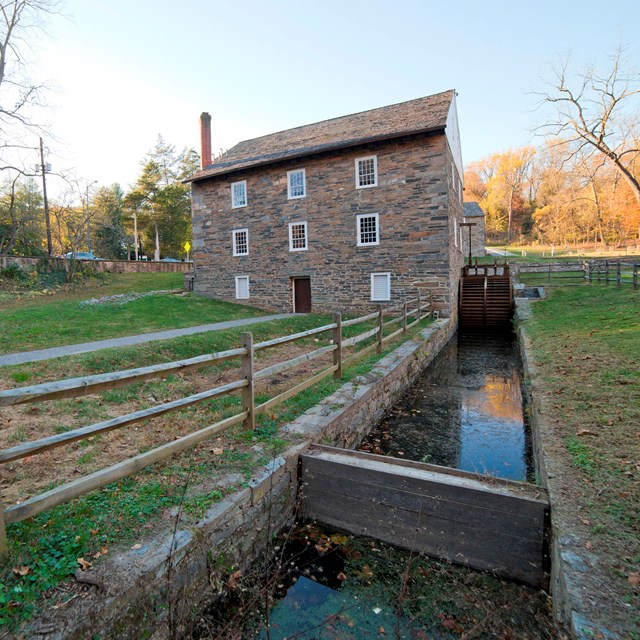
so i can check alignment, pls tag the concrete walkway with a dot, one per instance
(57, 352)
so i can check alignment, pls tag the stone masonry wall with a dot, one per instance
(412, 201)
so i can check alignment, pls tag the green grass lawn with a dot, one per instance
(586, 343)
(59, 319)
(546, 253)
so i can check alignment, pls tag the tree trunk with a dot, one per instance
(156, 254)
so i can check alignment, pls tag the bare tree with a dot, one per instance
(601, 113)
(20, 97)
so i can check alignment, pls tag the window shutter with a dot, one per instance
(380, 286)
(242, 287)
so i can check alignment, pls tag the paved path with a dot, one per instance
(57, 352)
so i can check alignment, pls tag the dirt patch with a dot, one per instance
(27, 477)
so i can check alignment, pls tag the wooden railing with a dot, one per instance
(416, 310)
(622, 272)
(495, 269)
(601, 272)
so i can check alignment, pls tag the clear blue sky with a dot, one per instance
(125, 72)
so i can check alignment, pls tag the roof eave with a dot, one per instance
(331, 146)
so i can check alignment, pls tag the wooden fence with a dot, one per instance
(403, 315)
(600, 272)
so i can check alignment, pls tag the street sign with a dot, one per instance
(187, 246)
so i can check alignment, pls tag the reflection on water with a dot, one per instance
(312, 611)
(464, 412)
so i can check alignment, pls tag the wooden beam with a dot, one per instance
(350, 342)
(294, 362)
(295, 336)
(369, 316)
(101, 478)
(248, 373)
(295, 390)
(60, 439)
(75, 387)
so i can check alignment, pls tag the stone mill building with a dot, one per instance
(339, 215)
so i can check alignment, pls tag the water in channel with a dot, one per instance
(464, 412)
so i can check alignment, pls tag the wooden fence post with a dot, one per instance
(606, 272)
(430, 303)
(404, 317)
(419, 306)
(248, 396)
(4, 546)
(618, 275)
(635, 275)
(337, 340)
(549, 277)
(379, 335)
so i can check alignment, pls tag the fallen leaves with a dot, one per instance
(22, 570)
(84, 564)
(234, 579)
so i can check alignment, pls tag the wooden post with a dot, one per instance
(635, 275)
(606, 272)
(379, 334)
(248, 396)
(549, 277)
(337, 340)
(4, 546)
(404, 317)
(589, 273)
(618, 275)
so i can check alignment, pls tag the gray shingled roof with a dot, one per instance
(405, 118)
(473, 210)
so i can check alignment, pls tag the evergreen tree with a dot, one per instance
(162, 201)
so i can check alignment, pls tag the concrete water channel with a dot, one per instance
(465, 412)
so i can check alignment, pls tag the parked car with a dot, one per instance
(170, 260)
(80, 255)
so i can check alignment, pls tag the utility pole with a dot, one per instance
(86, 213)
(44, 168)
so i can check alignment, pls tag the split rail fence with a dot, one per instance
(404, 315)
(604, 272)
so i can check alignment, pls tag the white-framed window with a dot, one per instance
(366, 172)
(296, 184)
(240, 242)
(380, 286)
(368, 229)
(239, 194)
(297, 236)
(242, 287)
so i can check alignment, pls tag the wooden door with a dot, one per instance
(302, 295)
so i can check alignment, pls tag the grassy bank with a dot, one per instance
(63, 317)
(586, 343)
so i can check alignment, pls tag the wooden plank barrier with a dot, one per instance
(485, 523)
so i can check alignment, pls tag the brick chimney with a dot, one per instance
(205, 139)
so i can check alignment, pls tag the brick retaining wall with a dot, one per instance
(109, 266)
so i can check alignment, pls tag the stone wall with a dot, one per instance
(415, 207)
(109, 266)
(172, 577)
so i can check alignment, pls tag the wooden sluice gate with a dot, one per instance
(482, 522)
(486, 297)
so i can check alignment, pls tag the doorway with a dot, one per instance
(302, 295)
